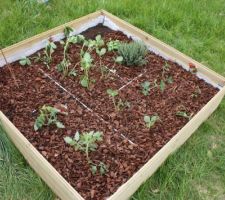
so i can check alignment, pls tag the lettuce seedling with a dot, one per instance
(151, 120)
(113, 45)
(25, 61)
(85, 142)
(47, 116)
(99, 42)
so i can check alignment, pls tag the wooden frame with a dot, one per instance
(48, 173)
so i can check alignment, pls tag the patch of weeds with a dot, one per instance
(151, 120)
(120, 104)
(133, 53)
(25, 61)
(48, 116)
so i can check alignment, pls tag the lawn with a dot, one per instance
(197, 169)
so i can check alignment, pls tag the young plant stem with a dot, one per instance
(10, 70)
(86, 151)
(114, 103)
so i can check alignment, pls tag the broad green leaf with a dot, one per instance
(68, 140)
(147, 119)
(23, 62)
(59, 124)
(112, 93)
(119, 59)
(93, 169)
(77, 136)
(85, 82)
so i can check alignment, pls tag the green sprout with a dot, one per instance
(86, 63)
(113, 45)
(184, 114)
(151, 120)
(48, 116)
(85, 142)
(25, 61)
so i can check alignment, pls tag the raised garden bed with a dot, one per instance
(140, 126)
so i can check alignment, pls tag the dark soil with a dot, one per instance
(122, 158)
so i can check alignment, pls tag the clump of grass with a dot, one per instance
(133, 53)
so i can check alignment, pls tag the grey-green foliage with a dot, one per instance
(85, 142)
(133, 53)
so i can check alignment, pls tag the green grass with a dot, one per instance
(197, 169)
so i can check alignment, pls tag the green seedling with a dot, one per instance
(72, 40)
(165, 78)
(48, 116)
(86, 63)
(67, 30)
(113, 93)
(100, 53)
(113, 45)
(145, 88)
(184, 114)
(48, 51)
(151, 120)
(85, 142)
(118, 105)
(99, 42)
(63, 67)
(162, 85)
(103, 169)
(122, 104)
(25, 61)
